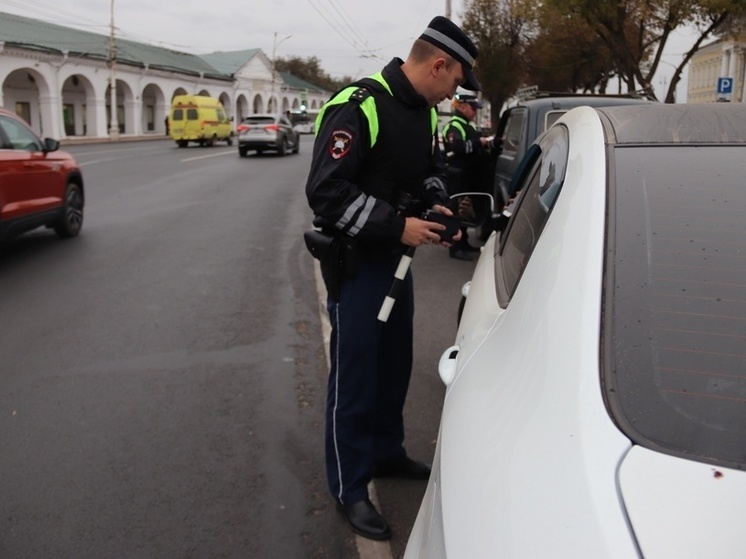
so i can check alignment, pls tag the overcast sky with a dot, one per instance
(349, 38)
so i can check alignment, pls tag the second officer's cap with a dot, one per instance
(469, 99)
(448, 37)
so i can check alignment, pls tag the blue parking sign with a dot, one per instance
(725, 85)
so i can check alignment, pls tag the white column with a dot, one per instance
(132, 117)
(725, 62)
(733, 59)
(742, 58)
(51, 116)
(102, 123)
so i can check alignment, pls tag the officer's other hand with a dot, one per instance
(442, 210)
(446, 211)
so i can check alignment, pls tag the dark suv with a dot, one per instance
(522, 123)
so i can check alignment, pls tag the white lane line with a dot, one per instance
(231, 152)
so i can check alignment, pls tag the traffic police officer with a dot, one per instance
(376, 150)
(467, 153)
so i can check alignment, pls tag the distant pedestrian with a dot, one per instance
(166, 122)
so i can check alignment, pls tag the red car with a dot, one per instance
(39, 185)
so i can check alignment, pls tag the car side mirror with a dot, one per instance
(474, 209)
(51, 145)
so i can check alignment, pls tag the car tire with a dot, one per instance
(282, 150)
(296, 147)
(243, 152)
(71, 220)
(211, 141)
(182, 143)
(229, 141)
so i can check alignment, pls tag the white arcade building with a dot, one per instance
(59, 80)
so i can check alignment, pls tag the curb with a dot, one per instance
(81, 140)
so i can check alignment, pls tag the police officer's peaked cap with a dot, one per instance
(448, 37)
(470, 99)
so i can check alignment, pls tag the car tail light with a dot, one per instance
(242, 127)
(271, 128)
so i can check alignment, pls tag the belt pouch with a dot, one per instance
(326, 249)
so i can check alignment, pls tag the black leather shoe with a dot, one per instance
(365, 520)
(405, 468)
(461, 255)
(469, 248)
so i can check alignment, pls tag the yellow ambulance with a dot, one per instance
(199, 118)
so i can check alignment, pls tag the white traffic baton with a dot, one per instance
(401, 272)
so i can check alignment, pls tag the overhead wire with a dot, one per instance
(345, 29)
(54, 15)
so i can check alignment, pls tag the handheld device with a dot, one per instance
(452, 224)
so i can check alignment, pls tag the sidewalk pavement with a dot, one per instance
(79, 140)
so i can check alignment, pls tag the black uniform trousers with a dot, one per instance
(371, 363)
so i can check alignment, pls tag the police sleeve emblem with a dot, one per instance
(340, 143)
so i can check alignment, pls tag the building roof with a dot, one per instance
(295, 82)
(34, 34)
(27, 33)
(230, 62)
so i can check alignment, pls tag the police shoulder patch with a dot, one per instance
(340, 143)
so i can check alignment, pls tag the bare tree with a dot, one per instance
(636, 31)
(500, 29)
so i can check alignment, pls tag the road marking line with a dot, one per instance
(211, 155)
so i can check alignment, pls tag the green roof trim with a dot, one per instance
(230, 62)
(23, 32)
(295, 82)
(33, 34)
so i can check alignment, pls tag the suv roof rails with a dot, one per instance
(532, 92)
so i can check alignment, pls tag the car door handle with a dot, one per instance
(447, 364)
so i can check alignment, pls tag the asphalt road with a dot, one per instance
(162, 376)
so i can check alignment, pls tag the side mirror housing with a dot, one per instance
(474, 209)
(51, 145)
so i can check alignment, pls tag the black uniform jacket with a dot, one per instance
(354, 188)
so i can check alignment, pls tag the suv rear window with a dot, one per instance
(551, 118)
(259, 120)
(513, 132)
(675, 300)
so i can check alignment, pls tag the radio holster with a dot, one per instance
(336, 255)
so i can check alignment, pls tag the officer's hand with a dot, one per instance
(446, 211)
(418, 232)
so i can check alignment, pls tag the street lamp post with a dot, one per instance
(275, 44)
(114, 119)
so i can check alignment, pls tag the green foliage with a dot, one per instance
(567, 56)
(309, 69)
(571, 45)
(499, 29)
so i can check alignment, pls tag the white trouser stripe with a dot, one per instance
(336, 403)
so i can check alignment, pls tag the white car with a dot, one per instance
(596, 391)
